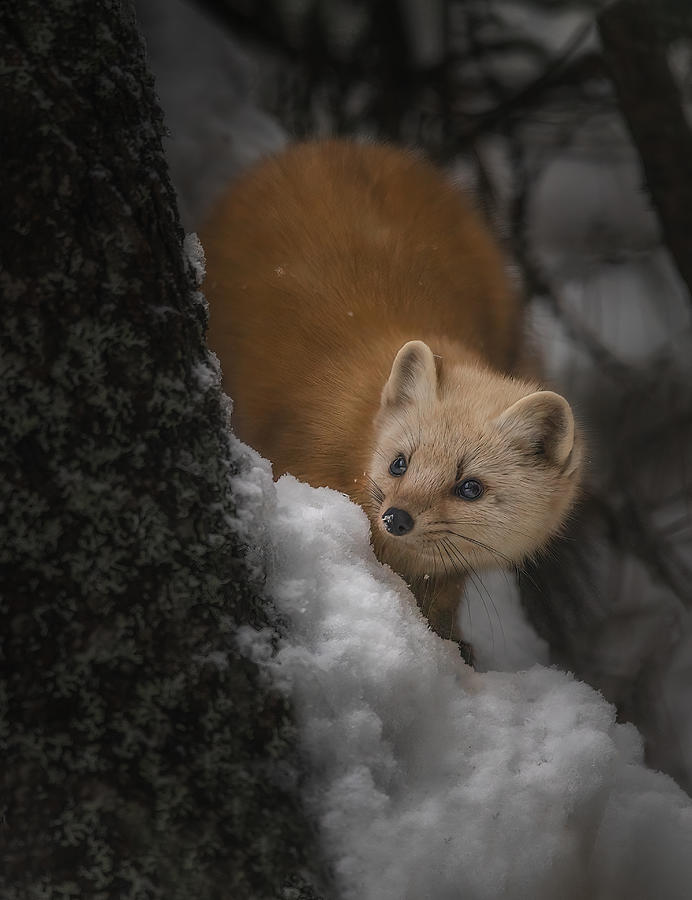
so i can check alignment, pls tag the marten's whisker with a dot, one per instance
(497, 553)
(493, 550)
(478, 524)
(375, 490)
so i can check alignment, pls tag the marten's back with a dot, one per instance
(331, 248)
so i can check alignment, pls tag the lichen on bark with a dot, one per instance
(140, 750)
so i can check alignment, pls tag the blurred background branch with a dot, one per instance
(635, 37)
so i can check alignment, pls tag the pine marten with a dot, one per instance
(369, 337)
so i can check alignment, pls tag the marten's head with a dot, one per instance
(470, 469)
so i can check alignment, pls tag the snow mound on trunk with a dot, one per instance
(429, 780)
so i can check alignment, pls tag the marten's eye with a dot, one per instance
(469, 489)
(398, 467)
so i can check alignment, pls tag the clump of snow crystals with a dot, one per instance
(194, 253)
(429, 780)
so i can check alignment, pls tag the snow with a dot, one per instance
(430, 780)
(493, 621)
(194, 254)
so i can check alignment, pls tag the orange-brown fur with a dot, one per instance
(321, 264)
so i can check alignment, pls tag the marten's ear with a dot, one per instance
(413, 378)
(543, 425)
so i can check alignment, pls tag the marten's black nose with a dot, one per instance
(397, 521)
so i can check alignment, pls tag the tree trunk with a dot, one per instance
(139, 749)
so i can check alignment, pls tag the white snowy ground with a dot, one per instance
(429, 780)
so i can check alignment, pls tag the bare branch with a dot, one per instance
(635, 51)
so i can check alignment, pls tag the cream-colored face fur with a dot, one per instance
(453, 422)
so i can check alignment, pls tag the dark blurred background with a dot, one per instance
(570, 124)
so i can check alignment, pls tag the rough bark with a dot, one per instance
(635, 48)
(139, 749)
